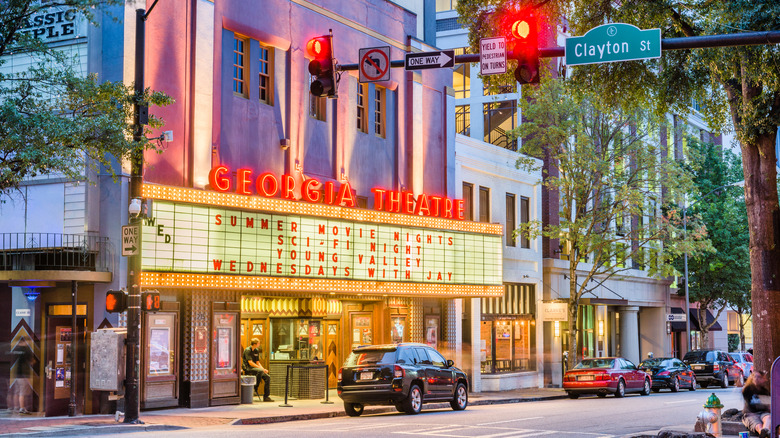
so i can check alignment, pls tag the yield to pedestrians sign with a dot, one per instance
(613, 42)
(374, 64)
(492, 56)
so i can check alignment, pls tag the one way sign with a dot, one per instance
(130, 238)
(426, 60)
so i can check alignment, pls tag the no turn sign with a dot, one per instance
(374, 64)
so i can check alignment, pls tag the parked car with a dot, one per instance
(714, 367)
(405, 375)
(606, 375)
(744, 360)
(669, 372)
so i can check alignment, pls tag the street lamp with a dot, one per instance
(685, 236)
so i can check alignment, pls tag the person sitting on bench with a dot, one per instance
(252, 367)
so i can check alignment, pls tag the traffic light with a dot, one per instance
(116, 301)
(322, 67)
(150, 301)
(521, 31)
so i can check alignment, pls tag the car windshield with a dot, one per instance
(370, 357)
(736, 356)
(657, 362)
(595, 363)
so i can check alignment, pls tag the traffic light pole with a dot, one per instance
(700, 42)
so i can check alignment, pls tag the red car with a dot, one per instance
(606, 375)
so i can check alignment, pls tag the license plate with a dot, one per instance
(366, 376)
(584, 377)
(698, 367)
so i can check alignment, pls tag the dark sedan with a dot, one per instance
(669, 372)
(405, 375)
(606, 375)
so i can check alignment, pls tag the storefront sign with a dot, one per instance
(188, 238)
(55, 24)
(313, 191)
(555, 311)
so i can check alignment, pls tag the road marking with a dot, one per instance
(680, 401)
(509, 421)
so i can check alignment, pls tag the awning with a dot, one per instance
(679, 326)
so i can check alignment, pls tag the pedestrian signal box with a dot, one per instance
(116, 301)
(150, 301)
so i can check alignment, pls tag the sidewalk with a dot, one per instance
(12, 424)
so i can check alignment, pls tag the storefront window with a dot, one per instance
(296, 339)
(507, 345)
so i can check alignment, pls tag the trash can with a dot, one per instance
(247, 389)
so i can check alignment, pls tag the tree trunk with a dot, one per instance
(573, 355)
(758, 163)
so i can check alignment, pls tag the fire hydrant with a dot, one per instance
(710, 416)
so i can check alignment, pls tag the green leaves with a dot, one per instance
(55, 120)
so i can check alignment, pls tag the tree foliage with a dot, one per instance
(54, 119)
(722, 278)
(608, 175)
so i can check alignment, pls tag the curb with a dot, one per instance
(384, 409)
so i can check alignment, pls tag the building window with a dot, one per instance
(362, 110)
(379, 111)
(468, 201)
(500, 119)
(525, 217)
(510, 219)
(492, 85)
(484, 204)
(446, 5)
(240, 48)
(508, 330)
(463, 119)
(266, 75)
(317, 104)
(461, 77)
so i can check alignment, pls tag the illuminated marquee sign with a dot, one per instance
(269, 186)
(205, 239)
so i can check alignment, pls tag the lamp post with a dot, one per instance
(685, 236)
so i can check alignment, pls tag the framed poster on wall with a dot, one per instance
(397, 329)
(432, 330)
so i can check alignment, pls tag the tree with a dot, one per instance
(607, 171)
(54, 120)
(720, 278)
(742, 80)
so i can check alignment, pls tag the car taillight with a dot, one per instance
(339, 376)
(663, 373)
(398, 372)
(568, 378)
(603, 376)
(716, 367)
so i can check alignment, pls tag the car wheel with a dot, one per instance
(413, 403)
(621, 389)
(704, 385)
(461, 399)
(724, 382)
(740, 380)
(693, 384)
(353, 409)
(399, 407)
(676, 385)
(573, 395)
(646, 388)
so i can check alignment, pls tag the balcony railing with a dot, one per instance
(53, 251)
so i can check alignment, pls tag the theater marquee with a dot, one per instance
(217, 235)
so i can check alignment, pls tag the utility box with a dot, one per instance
(107, 359)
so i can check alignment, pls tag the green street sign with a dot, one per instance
(612, 43)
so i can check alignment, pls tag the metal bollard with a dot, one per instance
(286, 388)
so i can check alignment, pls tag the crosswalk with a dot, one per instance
(481, 430)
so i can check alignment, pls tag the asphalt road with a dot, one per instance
(585, 417)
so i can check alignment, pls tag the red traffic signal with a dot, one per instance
(521, 32)
(150, 301)
(322, 67)
(116, 301)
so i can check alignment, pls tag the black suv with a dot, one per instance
(405, 375)
(714, 366)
